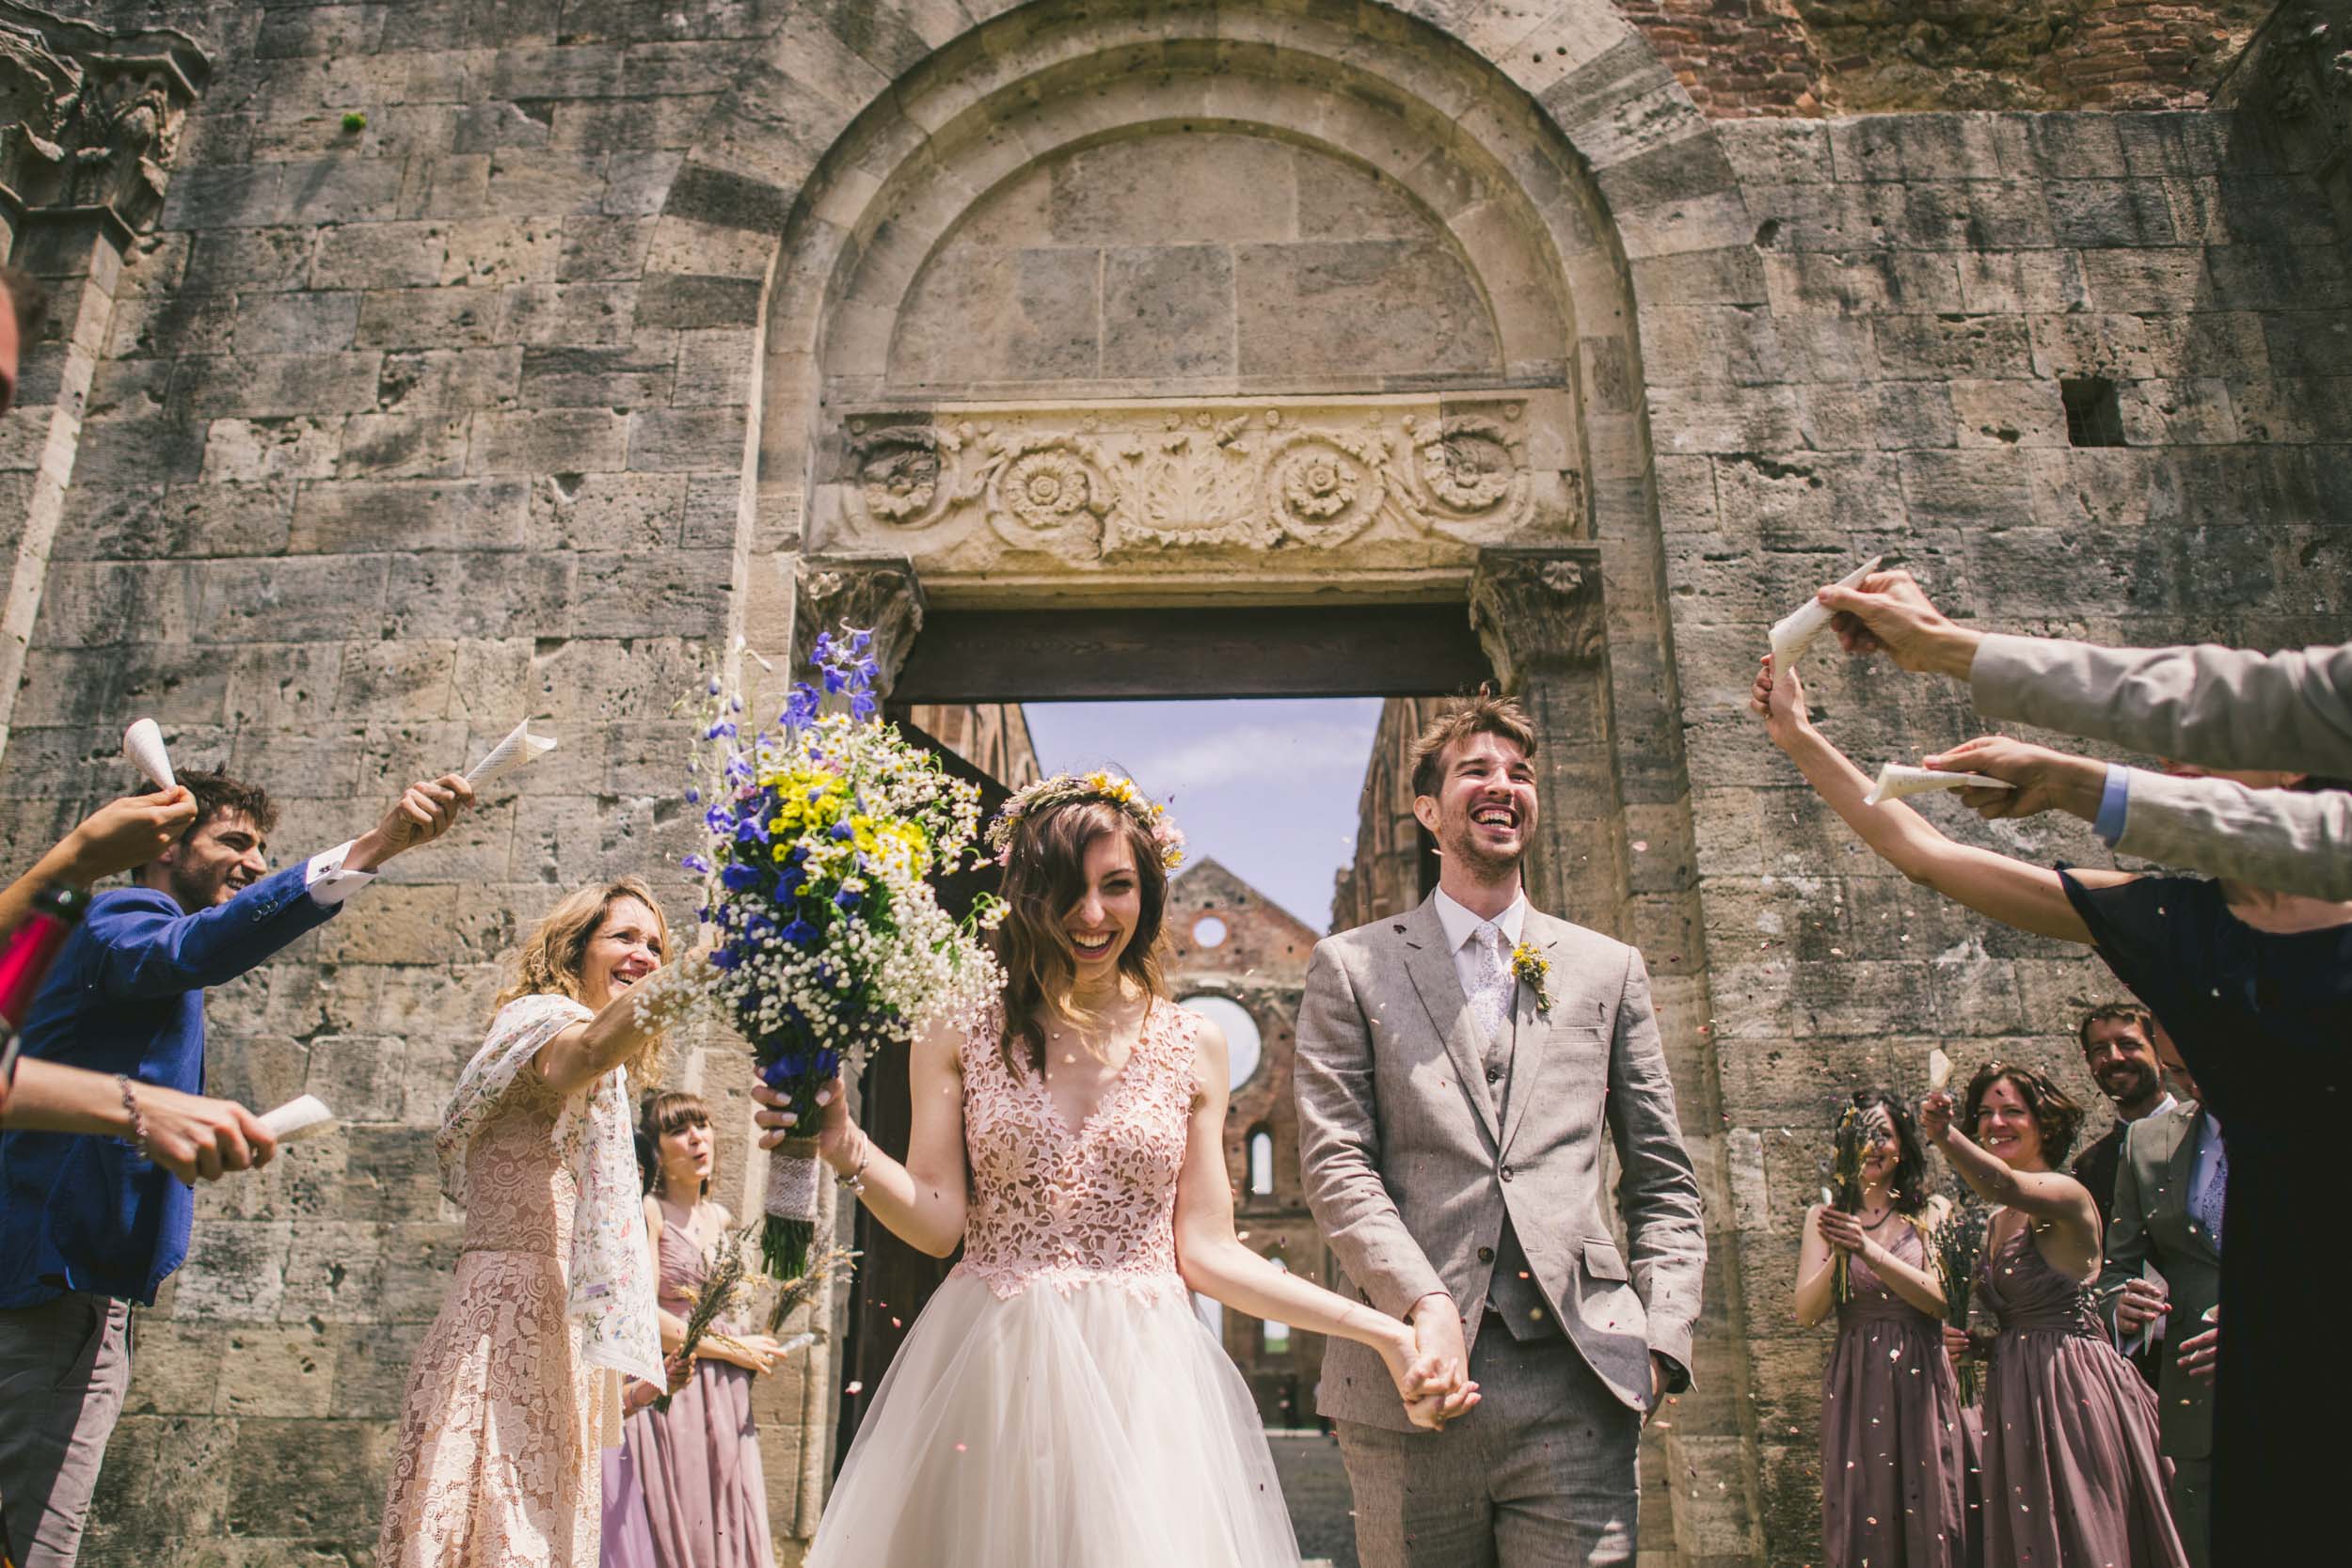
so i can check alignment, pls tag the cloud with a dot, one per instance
(1252, 754)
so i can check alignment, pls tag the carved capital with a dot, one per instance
(1537, 609)
(90, 116)
(882, 596)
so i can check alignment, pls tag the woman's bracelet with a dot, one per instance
(855, 1180)
(137, 1138)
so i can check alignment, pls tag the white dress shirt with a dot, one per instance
(1461, 924)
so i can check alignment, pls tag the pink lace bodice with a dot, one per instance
(1094, 1204)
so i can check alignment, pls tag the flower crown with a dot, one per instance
(1065, 789)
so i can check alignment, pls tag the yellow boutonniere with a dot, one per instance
(1531, 970)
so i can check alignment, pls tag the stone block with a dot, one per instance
(306, 1479)
(598, 249)
(686, 300)
(402, 446)
(2091, 213)
(1724, 419)
(298, 600)
(673, 594)
(173, 322)
(400, 515)
(1975, 347)
(607, 511)
(477, 592)
(394, 1172)
(2009, 413)
(448, 381)
(176, 1367)
(633, 375)
(372, 1368)
(488, 252)
(1168, 312)
(236, 1271)
(662, 440)
(387, 679)
(238, 451)
(430, 318)
(342, 190)
(498, 124)
(249, 385)
(553, 441)
(638, 183)
(233, 196)
(276, 1371)
(1342, 306)
(99, 604)
(715, 369)
(568, 314)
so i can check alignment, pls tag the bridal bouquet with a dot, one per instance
(822, 834)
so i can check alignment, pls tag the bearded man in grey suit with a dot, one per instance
(1458, 1069)
(2169, 1184)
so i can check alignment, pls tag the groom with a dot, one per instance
(1456, 1069)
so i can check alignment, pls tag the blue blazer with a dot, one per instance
(126, 995)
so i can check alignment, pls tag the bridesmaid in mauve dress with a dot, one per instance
(698, 1462)
(2072, 1475)
(1894, 1454)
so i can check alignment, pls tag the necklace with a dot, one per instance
(1873, 1225)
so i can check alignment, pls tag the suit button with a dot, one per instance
(1506, 1173)
(1486, 1254)
(1494, 1075)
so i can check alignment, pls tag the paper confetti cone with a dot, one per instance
(1897, 780)
(1795, 631)
(519, 749)
(296, 1120)
(143, 744)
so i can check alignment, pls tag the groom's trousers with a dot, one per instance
(1542, 1473)
(65, 1367)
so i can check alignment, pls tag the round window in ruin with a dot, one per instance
(1209, 931)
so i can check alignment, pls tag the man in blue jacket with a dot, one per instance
(88, 1225)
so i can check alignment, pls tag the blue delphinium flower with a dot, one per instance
(800, 933)
(695, 863)
(738, 876)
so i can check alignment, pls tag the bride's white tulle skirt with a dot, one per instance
(1082, 1427)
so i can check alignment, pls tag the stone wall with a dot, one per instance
(528, 390)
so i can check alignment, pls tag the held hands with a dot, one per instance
(2045, 780)
(1778, 698)
(128, 832)
(424, 813)
(1889, 612)
(1430, 1363)
(196, 1138)
(1844, 1232)
(2143, 1301)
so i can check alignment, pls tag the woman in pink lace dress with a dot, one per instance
(516, 1385)
(1057, 1402)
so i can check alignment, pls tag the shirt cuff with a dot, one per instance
(2114, 805)
(328, 883)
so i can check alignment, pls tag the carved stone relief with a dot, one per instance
(90, 117)
(1091, 482)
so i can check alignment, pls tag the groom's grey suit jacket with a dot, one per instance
(1410, 1169)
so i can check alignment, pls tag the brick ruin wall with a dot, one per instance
(396, 431)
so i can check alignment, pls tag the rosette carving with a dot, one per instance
(1470, 468)
(1325, 488)
(901, 472)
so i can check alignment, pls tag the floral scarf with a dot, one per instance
(611, 1301)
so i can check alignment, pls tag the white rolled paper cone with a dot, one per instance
(143, 744)
(1897, 780)
(519, 749)
(296, 1120)
(1939, 1069)
(1795, 631)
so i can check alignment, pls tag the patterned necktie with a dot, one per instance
(2205, 1206)
(1492, 999)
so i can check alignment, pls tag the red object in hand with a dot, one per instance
(25, 961)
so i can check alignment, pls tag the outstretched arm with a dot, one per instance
(116, 836)
(1215, 1263)
(2012, 891)
(2047, 1197)
(923, 1202)
(586, 1052)
(191, 1136)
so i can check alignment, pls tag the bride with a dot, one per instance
(1057, 1402)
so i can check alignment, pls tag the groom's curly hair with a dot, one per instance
(1481, 713)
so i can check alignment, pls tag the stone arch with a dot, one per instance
(819, 189)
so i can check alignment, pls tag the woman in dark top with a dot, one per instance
(2255, 989)
(1894, 1461)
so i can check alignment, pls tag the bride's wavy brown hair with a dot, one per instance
(552, 955)
(1044, 877)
